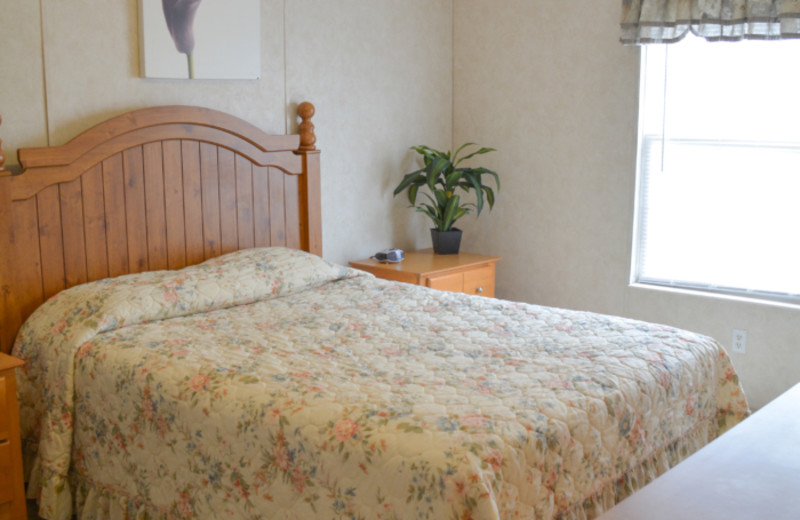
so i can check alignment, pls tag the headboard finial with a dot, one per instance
(307, 137)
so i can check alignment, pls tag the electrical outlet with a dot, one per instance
(739, 341)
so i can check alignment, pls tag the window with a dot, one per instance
(718, 190)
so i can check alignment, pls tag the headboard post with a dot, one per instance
(311, 198)
(2, 156)
(9, 317)
(8, 323)
(310, 189)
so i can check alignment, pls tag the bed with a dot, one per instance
(189, 354)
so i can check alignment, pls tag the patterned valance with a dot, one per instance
(667, 21)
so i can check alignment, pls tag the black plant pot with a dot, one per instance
(446, 242)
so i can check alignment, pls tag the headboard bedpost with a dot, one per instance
(9, 315)
(2, 156)
(8, 323)
(310, 189)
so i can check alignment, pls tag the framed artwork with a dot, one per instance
(200, 39)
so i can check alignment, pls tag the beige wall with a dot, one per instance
(550, 86)
(379, 73)
(21, 84)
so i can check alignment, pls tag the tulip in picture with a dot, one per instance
(179, 15)
(215, 40)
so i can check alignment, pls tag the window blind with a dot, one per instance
(718, 204)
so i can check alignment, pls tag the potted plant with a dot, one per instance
(444, 178)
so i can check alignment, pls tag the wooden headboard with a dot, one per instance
(157, 188)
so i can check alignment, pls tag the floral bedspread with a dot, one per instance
(272, 384)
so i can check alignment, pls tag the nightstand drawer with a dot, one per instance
(6, 473)
(447, 282)
(5, 413)
(480, 281)
(12, 488)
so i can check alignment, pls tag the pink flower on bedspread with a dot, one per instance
(637, 432)
(171, 296)
(84, 350)
(558, 384)
(58, 327)
(690, 408)
(184, 505)
(66, 419)
(162, 427)
(457, 488)
(474, 421)
(198, 382)
(148, 410)
(345, 430)
(298, 479)
(281, 457)
(207, 325)
(494, 459)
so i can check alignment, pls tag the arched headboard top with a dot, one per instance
(131, 123)
(156, 188)
(67, 162)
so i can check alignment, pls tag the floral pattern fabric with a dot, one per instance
(667, 21)
(272, 384)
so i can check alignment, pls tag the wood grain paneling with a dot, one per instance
(72, 219)
(244, 202)
(173, 195)
(229, 239)
(209, 188)
(155, 207)
(135, 210)
(192, 202)
(277, 215)
(51, 240)
(116, 226)
(95, 223)
(28, 265)
(261, 209)
(154, 189)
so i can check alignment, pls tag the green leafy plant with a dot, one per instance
(443, 177)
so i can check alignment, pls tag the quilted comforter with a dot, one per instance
(272, 384)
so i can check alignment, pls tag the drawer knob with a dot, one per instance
(479, 290)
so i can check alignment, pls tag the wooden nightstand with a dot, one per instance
(12, 488)
(465, 272)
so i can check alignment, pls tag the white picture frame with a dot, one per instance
(224, 37)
